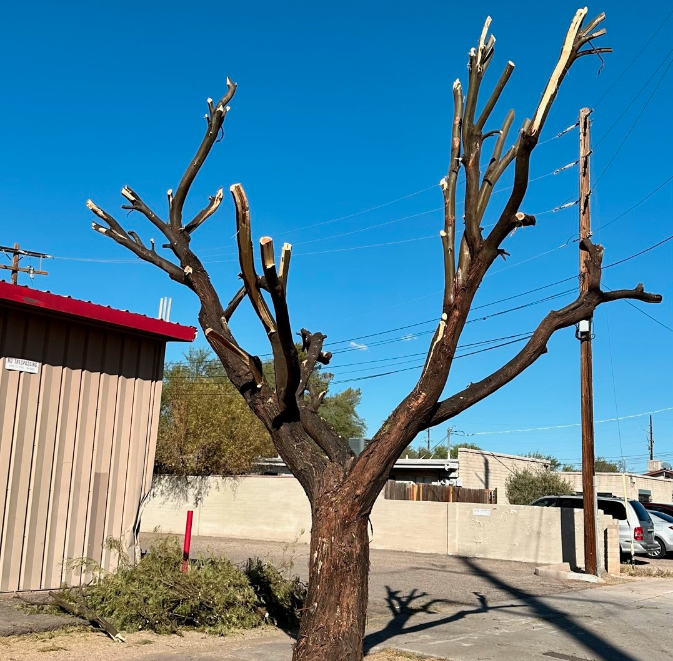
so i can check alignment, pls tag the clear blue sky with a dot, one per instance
(342, 107)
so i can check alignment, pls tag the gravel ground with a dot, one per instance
(262, 645)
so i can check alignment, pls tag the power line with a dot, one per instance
(637, 204)
(406, 369)
(565, 426)
(633, 126)
(633, 100)
(477, 307)
(638, 254)
(640, 52)
(635, 307)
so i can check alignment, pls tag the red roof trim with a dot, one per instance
(44, 301)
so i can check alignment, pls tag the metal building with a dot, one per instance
(80, 393)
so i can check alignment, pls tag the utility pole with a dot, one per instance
(448, 443)
(17, 254)
(586, 359)
(651, 441)
(428, 440)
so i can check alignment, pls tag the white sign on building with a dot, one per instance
(22, 365)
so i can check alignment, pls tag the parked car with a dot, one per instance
(663, 533)
(659, 507)
(635, 523)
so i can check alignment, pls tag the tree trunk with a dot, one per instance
(333, 623)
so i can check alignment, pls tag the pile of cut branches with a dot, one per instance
(214, 596)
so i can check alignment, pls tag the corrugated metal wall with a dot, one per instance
(77, 443)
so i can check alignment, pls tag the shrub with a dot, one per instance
(525, 486)
(213, 596)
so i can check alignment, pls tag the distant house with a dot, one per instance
(657, 468)
(80, 394)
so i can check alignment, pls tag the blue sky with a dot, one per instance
(342, 107)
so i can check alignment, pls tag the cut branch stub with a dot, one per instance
(284, 269)
(312, 344)
(285, 358)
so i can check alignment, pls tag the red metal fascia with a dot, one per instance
(92, 312)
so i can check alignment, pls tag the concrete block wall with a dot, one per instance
(275, 508)
(253, 507)
(661, 488)
(478, 469)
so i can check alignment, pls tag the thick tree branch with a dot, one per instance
(336, 448)
(246, 259)
(574, 40)
(582, 308)
(286, 364)
(215, 121)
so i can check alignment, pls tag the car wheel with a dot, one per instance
(660, 552)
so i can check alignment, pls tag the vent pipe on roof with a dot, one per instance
(165, 305)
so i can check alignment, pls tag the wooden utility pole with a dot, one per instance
(651, 441)
(17, 253)
(586, 359)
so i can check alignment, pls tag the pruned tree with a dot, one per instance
(342, 488)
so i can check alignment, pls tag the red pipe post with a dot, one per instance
(188, 541)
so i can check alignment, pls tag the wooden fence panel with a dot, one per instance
(438, 493)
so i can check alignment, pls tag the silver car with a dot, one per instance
(636, 530)
(663, 534)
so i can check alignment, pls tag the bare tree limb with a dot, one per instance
(120, 236)
(215, 122)
(136, 204)
(495, 95)
(448, 185)
(205, 213)
(234, 303)
(497, 165)
(582, 308)
(286, 364)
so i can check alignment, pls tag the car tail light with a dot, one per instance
(638, 534)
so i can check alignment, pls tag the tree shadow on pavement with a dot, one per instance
(560, 620)
(403, 609)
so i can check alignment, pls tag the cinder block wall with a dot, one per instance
(276, 509)
(478, 469)
(661, 488)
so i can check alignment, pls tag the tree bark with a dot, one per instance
(333, 623)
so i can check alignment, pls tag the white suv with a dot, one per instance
(635, 523)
